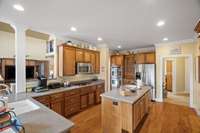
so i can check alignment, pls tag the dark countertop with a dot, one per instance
(44, 120)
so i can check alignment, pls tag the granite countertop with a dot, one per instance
(44, 120)
(19, 96)
(115, 95)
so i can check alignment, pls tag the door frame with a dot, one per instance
(191, 68)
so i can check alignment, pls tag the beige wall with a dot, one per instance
(197, 84)
(35, 48)
(162, 50)
(180, 74)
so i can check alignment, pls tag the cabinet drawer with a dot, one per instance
(43, 99)
(72, 99)
(93, 88)
(57, 97)
(85, 90)
(72, 92)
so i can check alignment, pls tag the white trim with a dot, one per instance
(197, 110)
(159, 99)
(190, 57)
(181, 42)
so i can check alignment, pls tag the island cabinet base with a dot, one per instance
(123, 117)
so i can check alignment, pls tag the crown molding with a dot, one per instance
(181, 42)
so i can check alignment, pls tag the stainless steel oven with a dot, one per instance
(84, 68)
(116, 77)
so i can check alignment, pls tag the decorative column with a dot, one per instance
(20, 57)
(105, 64)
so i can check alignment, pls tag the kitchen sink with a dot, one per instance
(24, 106)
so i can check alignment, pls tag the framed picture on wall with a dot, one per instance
(50, 46)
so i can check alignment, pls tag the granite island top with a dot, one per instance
(44, 120)
(115, 95)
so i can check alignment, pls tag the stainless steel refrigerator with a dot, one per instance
(116, 77)
(146, 73)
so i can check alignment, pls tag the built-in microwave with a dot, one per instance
(84, 68)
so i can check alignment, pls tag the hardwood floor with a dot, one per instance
(163, 118)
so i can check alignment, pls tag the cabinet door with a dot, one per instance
(79, 55)
(58, 107)
(150, 58)
(119, 60)
(97, 65)
(129, 67)
(140, 58)
(91, 98)
(93, 61)
(137, 114)
(69, 56)
(84, 101)
(113, 60)
(87, 57)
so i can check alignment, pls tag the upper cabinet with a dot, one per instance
(79, 55)
(70, 55)
(69, 59)
(117, 60)
(97, 62)
(129, 66)
(145, 58)
(140, 58)
(150, 58)
(87, 56)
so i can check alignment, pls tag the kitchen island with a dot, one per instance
(123, 114)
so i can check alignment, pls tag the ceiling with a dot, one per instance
(129, 23)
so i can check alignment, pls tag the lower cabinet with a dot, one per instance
(57, 103)
(58, 107)
(91, 99)
(84, 101)
(73, 101)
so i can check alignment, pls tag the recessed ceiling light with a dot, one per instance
(99, 39)
(18, 7)
(160, 23)
(119, 46)
(73, 28)
(165, 39)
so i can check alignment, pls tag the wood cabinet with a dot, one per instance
(117, 60)
(68, 56)
(69, 61)
(140, 58)
(197, 28)
(84, 101)
(97, 63)
(44, 100)
(87, 56)
(93, 61)
(150, 58)
(145, 58)
(137, 113)
(57, 103)
(72, 101)
(129, 67)
(99, 90)
(79, 55)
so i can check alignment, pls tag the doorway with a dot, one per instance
(176, 77)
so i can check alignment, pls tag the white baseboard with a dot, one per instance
(197, 110)
(159, 99)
